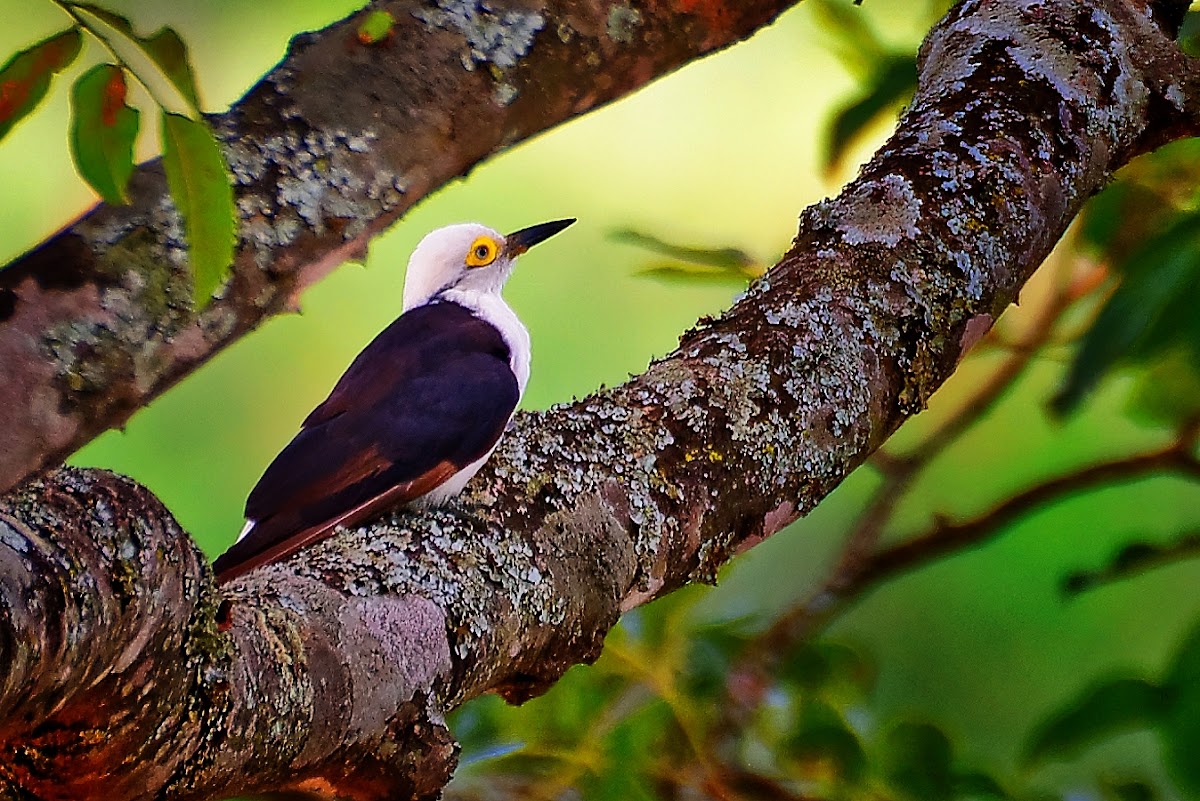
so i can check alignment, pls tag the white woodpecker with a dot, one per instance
(416, 414)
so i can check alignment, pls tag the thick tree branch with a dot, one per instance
(103, 610)
(901, 471)
(330, 672)
(329, 148)
(860, 567)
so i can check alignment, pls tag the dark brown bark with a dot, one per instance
(330, 672)
(328, 149)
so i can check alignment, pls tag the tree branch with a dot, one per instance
(900, 471)
(1132, 560)
(949, 537)
(328, 149)
(330, 672)
(855, 580)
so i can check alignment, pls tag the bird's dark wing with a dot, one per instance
(429, 396)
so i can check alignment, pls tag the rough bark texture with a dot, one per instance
(330, 672)
(329, 148)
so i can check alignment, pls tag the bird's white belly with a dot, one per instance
(453, 485)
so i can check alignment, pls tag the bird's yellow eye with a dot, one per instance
(483, 252)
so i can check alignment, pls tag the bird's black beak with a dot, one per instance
(518, 242)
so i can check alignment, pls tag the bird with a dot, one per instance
(417, 412)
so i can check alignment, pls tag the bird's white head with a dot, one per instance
(468, 257)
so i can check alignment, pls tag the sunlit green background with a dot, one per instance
(725, 152)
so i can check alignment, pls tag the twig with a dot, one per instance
(1134, 559)
(948, 538)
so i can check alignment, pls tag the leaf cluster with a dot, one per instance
(1168, 706)
(646, 723)
(1146, 228)
(104, 126)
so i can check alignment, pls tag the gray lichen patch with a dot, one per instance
(885, 211)
(740, 387)
(14, 536)
(321, 178)
(602, 447)
(144, 301)
(398, 647)
(623, 22)
(496, 37)
(66, 345)
(817, 406)
(442, 556)
(504, 93)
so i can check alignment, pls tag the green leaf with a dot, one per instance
(825, 667)
(476, 725)
(203, 194)
(825, 748)
(1189, 34)
(1129, 791)
(586, 695)
(891, 85)
(159, 61)
(1167, 392)
(855, 42)
(169, 52)
(806, 667)
(683, 274)
(975, 784)
(728, 261)
(103, 131)
(25, 78)
(1151, 311)
(917, 762)
(1114, 708)
(1151, 194)
(580, 698)
(631, 753)
(1181, 724)
(377, 27)
(710, 656)
(1108, 218)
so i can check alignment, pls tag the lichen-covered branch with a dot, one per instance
(329, 148)
(844, 582)
(104, 619)
(330, 672)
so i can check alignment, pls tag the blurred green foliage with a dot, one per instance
(967, 678)
(1147, 226)
(1170, 707)
(886, 75)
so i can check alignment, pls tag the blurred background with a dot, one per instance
(972, 675)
